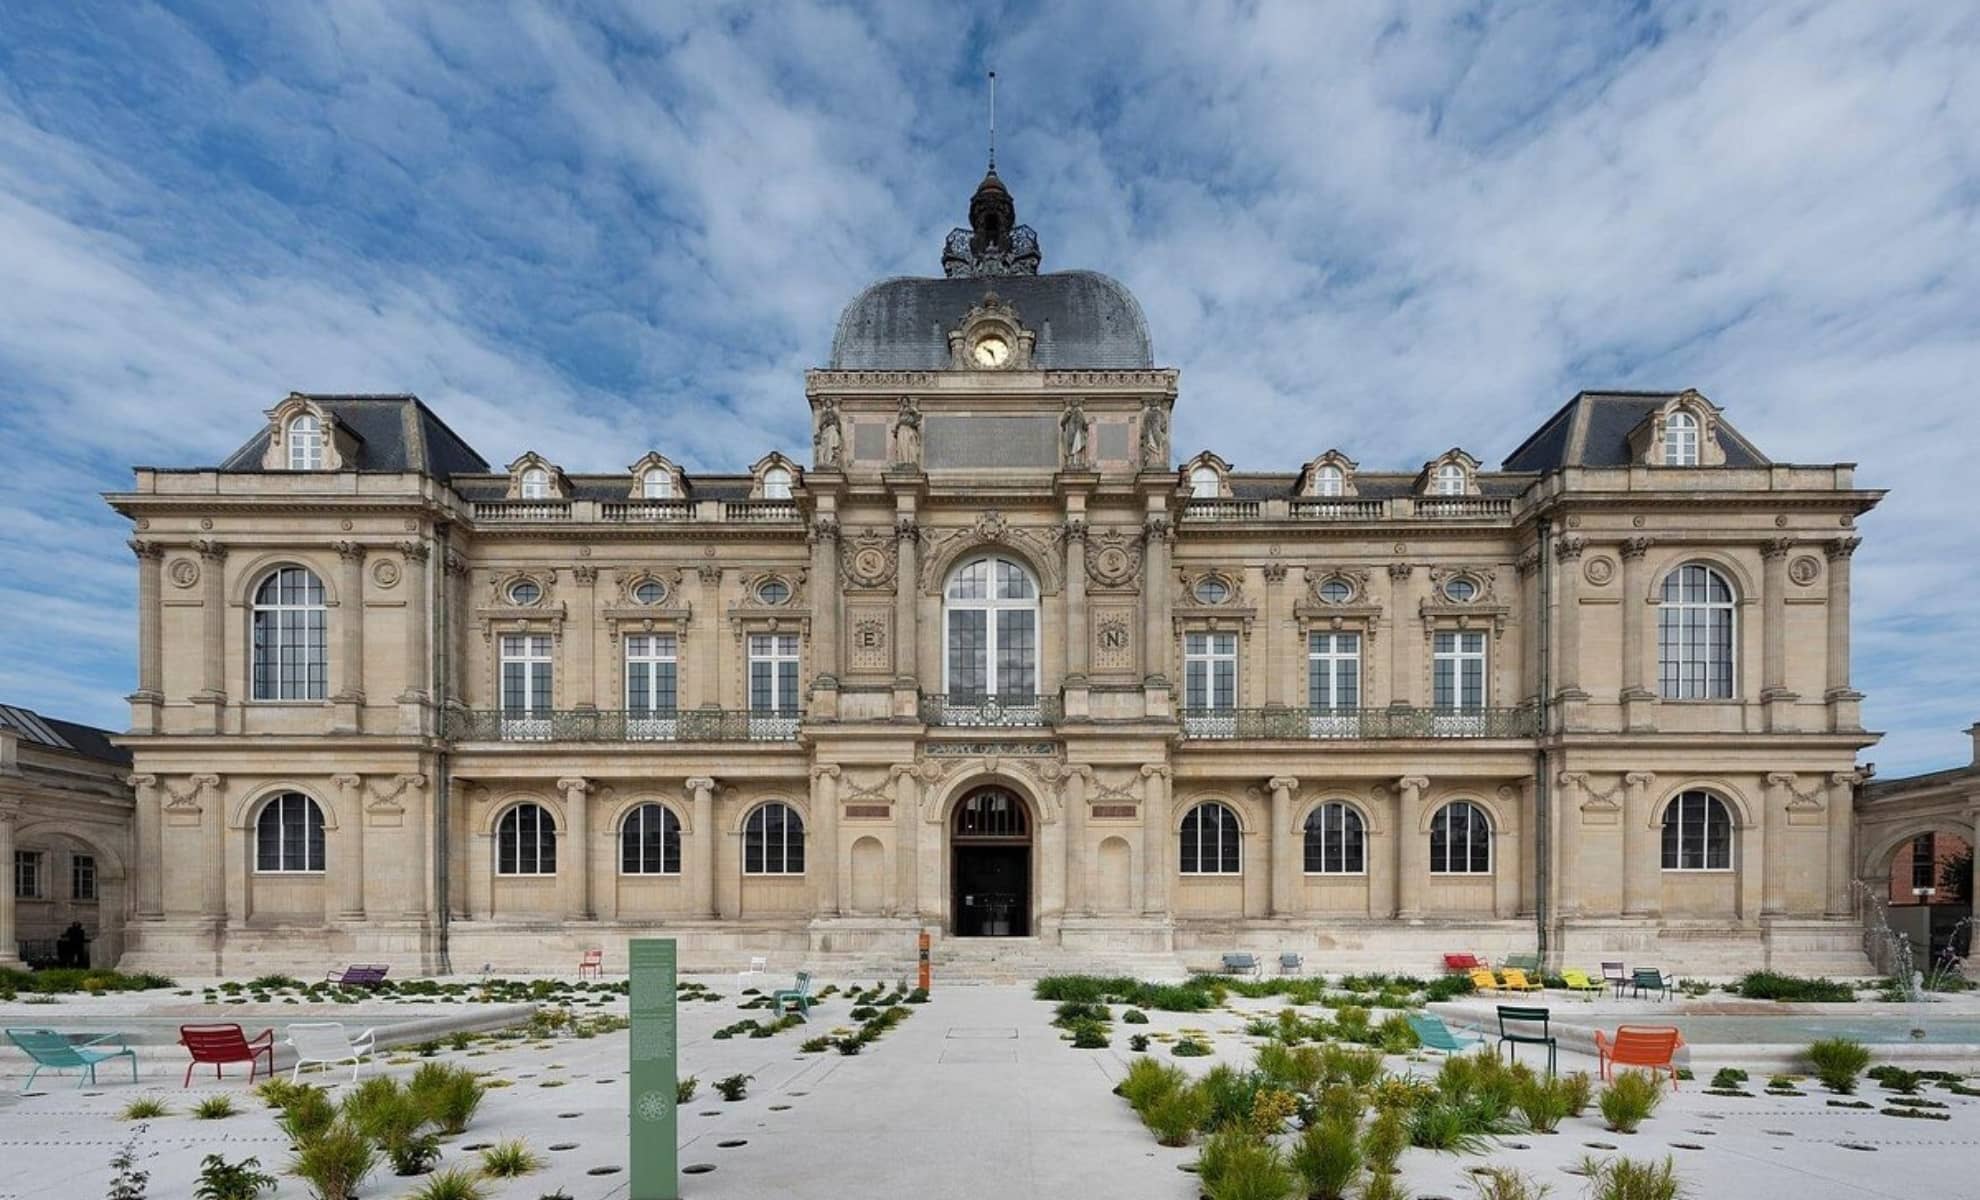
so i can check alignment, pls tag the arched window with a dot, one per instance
(536, 484)
(288, 836)
(1460, 840)
(773, 841)
(650, 841)
(1335, 842)
(1697, 833)
(1695, 635)
(990, 615)
(1329, 481)
(1450, 480)
(1210, 840)
(776, 484)
(1681, 440)
(657, 484)
(305, 443)
(526, 842)
(1204, 483)
(290, 659)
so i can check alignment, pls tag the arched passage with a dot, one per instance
(990, 845)
(1919, 882)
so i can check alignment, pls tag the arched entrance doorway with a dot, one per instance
(990, 871)
(1922, 882)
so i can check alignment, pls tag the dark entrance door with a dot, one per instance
(991, 872)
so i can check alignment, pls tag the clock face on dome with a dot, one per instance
(990, 350)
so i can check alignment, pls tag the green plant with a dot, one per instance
(413, 1153)
(1134, 1016)
(508, 1159)
(1359, 1067)
(1189, 1047)
(1396, 1035)
(1629, 1100)
(1090, 1036)
(126, 1181)
(1728, 1077)
(684, 1088)
(1771, 985)
(1271, 1108)
(146, 1108)
(1580, 1088)
(733, 1087)
(222, 1180)
(448, 1095)
(1138, 1042)
(1838, 1061)
(1385, 1140)
(1543, 1102)
(1230, 1092)
(1328, 1157)
(1504, 1183)
(1176, 1113)
(275, 1093)
(1898, 1080)
(454, 1183)
(1071, 1012)
(1626, 1179)
(306, 1111)
(1455, 1126)
(215, 1108)
(1254, 1171)
(1384, 1187)
(335, 1161)
(850, 1045)
(1147, 1080)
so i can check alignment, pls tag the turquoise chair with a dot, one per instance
(1435, 1035)
(798, 997)
(54, 1051)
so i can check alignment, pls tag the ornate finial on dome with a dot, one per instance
(994, 244)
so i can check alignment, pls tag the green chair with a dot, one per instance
(798, 997)
(1435, 1035)
(1529, 963)
(1651, 979)
(55, 1052)
(1513, 1038)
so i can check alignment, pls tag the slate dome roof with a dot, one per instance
(1083, 319)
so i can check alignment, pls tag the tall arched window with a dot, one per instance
(657, 484)
(536, 484)
(526, 842)
(1210, 840)
(1681, 440)
(1697, 833)
(650, 841)
(1450, 480)
(1695, 625)
(1329, 481)
(1204, 483)
(776, 484)
(990, 616)
(288, 836)
(290, 659)
(1335, 841)
(1460, 840)
(305, 443)
(773, 841)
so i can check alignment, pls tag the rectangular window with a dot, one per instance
(1458, 680)
(969, 652)
(82, 877)
(773, 684)
(27, 874)
(1017, 652)
(1924, 862)
(652, 664)
(526, 685)
(1210, 672)
(1333, 670)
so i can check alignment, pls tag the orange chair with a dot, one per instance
(1650, 1047)
(593, 962)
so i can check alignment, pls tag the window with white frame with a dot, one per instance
(773, 673)
(777, 484)
(652, 660)
(1695, 624)
(1458, 671)
(773, 841)
(1450, 480)
(1211, 840)
(1697, 833)
(305, 443)
(650, 841)
(1336, 842)
(990, 630)
(1333, 670)
(1460, 840)
(527, 675)
(1204, 483)
(1329, 480)
(657, 484)
(1210, 672)
(27, 874)
(536, 484)
(1681, 440)
(82, 877)
(291, 659)
(288, 836)
(526, 842)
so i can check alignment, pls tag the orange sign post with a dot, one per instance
(922, 946)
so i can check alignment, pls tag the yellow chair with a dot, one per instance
(1580, 984)
(1516, 981)
(1485, 981)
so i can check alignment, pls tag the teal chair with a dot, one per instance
(798, 997)
(1516, 1030)
(55, 1052)
(1435, 1035)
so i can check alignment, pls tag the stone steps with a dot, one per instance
(1001, 960)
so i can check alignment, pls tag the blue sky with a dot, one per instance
(593, 230)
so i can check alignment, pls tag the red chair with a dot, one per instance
(594, 962)
(221, 1044)
(1461, 964)
(1650, 1047)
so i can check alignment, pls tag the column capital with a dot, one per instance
(146, 549)
(348, 783)
(1158, 527)
(1282, 783)
(1775, 549)
(1400, 571)
(900, 769)
(1412, 783)
(1781, 779)
(1154, 770)
(585, 574)
(1640, 778)
(210, 550)
(825, 771)
(1073, 529)
(574, 784)
(825, 528)
(1568, 547)
(906, 528)
(1275, 571)
(700, 783)
(1842, 547)
(454, 563)
(142, 781)
(350, 552)
(1636, 547)
(1573, 779)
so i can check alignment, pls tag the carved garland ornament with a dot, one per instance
(870, 561)
(1113, 558)
(991, 528)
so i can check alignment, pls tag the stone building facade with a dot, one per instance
(65, 839)
(995, 663)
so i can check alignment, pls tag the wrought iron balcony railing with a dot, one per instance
(615, 725)
(975, 709)
(1350, 724)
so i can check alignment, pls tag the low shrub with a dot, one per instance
(1328, 1157)
(1629, 1100)
(335, 1162)
(1897, 1079)
(1544, 1102)
(1189, 1047)
(1074, 1012)
(146, 1108)
(733, 1087)
(1090, 1036)
(1271, 1108)
(1456, 1126)
(1134, 1016)
(1254, 1171)
(1626, 1179)
(1580, 1090)
(1772, 985)
(509, 1158)
(1728, 1077)
(1176, 1113)
(215, 1108)
(449, 1095)
(1838, 1061)
(1138, 1042)
(684, 1088)
(455, 1183)
(306, 1111)
(1147, 1080)
(1505, 1183)
(222, 1180)
(1385, 1139)
(1231, 1093)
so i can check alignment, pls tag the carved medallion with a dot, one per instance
(385, 573)
(1599, 569)
(1113, 559)
(1805, 570)
(183, 572)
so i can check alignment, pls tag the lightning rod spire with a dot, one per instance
(993, 122)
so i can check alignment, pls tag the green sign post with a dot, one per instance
(655, 1067)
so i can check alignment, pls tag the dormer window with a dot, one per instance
(776, 484)
(657, 484)
(1204, 483)
(1681, 440)
(1329, 480)
(536, 484)
(305, 443)
(1450, 480)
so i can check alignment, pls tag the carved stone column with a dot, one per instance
(1155, 601)
(211, 699)
(1075, 784)
(1283, 847)
(413, 700)
(148, 870)
(1843, 700)
(1773, 842)
(584, 640)
(1079, 641)
(1154, 840)
(9, 942)
(1638, 700)
(577, 815)
(1276, 656)
(1642, 849)
(1842, 829)
(704, 685)
(150, 695)
(1412, 851)
(1774, 693)
(907, 631)
(701, 798)
(348, 695)
(1402, 680)
(1573, 699)
(822, 861)
(348, 866)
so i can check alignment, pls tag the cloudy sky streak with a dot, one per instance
(594, 231)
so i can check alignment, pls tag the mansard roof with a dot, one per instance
(1084, 321)
(53, 733)
(1369, 485)
(1592, 430)
(607, 487)
(394, 432)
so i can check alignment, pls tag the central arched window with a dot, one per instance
(1329, 480)
(657, 484)
(291, 661)
(536, 484)
(990, 615)
(1204, 483)
(1681, 440)
(1450, 480)
(777, 484)
(773, 841)
(288, 836)
(526, 842)
(1460, 840)
(650, 841)
(1695, 623)
(1211, 840)
(1335, 841)
(1697, 833)
(305, 444)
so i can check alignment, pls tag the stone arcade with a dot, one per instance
(994, 665)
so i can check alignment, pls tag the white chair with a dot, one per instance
(327, 1042)
(758, 965)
